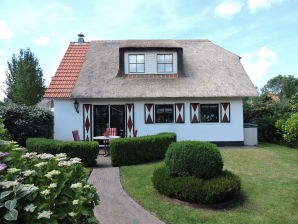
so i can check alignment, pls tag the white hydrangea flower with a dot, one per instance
(60, 155)
(13, 170)
(8, 184)
(52, 173)
(53, 185)
(41, 164)
(29, 155)
(75, 202)
(27, 173)
(75, 160)
(44, 214)
(61, 158)
(72, 214)
(87, 186)
(45, 192)
(76, 185)
(45, 156)
(64, 163)
(30, 208)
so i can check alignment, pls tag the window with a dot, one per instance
(165, 63)
(164, 113)
(136, 63)
(209, 113)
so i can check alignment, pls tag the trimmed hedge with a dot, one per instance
(128, 151)
(193, 158)
(87, 151)
(192, 189)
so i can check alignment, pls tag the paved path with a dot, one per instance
(116, 206)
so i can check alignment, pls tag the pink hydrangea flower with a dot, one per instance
(3, 166)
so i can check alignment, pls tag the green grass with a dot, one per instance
(269, 182)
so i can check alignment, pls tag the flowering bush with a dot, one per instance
(43, 188)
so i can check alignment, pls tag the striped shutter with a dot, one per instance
(225, 112)
(129, 120)
(87, 120)
(194, 113)
(149, 113)
(179, 112)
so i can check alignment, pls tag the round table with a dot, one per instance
(107, 138)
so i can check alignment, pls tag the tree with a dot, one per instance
(24, 79)
(283, 86)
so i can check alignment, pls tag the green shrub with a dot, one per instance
(192, 189)
(24, 122)
(291, 130)
(87, 151)
(3, 131)
(127, 151)
(43, 188)
(193, 158)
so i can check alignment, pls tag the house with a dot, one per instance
(194, 88)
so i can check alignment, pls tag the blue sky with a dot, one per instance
(263, 32)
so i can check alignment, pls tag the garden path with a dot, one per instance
(116, 206)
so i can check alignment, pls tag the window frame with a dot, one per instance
(135, 63)
(209, 104)
(156, 115)
(157, 63)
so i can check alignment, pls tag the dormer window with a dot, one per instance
(150, 62)
(136, 63)
(165, 63)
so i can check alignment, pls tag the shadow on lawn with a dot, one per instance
(239, 200)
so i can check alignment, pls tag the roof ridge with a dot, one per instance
(190, 40)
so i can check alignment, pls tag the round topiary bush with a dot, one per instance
(192, 189)
(193, 158)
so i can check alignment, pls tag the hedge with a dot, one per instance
(193, 158)
(192, 189)
(128, 151)
(87, 151)
(24, 122)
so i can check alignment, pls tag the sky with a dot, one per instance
(263, 32)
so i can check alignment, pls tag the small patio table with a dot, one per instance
(103, 138)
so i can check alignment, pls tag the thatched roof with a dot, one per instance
(209, 71)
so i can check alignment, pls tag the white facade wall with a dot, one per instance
(66, 120)
(151, 61)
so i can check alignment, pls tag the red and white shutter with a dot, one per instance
(194, 113)
(179, 112)
(149, 113)
(225, 112)
(87, 120)
(129, 120)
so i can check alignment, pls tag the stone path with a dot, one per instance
(116, 206)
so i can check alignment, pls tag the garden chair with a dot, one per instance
(76, 136)
(135, 133)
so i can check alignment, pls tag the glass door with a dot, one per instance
(101, 119)
(117, 119)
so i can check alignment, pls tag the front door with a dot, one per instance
(106, 116)
(117, 119)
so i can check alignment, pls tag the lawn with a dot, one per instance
(269, 177)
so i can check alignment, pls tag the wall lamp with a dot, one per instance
(76, 105)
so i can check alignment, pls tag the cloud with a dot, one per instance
(253, 5)
(41, 41)
(257, 63)
(1, 52)
(228, 8)
(5, 33)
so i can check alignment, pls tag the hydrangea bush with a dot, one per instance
(43, 188)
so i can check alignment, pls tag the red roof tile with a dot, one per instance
(68, 71)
